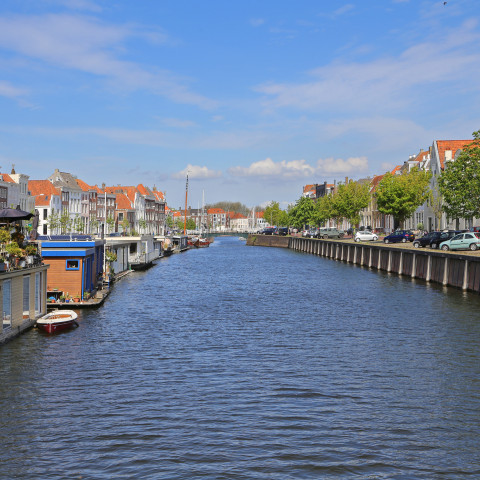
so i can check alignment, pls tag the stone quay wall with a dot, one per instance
(446, 268)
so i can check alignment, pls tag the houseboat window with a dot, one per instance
(73, 264)
(26, 295)
(38, 294)
(7, 303)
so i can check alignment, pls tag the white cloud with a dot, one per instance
(342, 10)
(177, 123)
(256, 22)
(352, 165)
(78, 5)
(10, 91)
(196, 171)
(451, 61)
(269, 168)
(83, 43)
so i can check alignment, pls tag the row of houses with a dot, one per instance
(434, 159)
(219, 220)
(90, 209)
(93, 209)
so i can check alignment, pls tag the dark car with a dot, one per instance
(283, 231)
(400, 236)
(434, 239)
(269, 231)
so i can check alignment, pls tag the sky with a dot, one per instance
(254, 99)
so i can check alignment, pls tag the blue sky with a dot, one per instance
(254, 98)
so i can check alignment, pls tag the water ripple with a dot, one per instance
(243, 363)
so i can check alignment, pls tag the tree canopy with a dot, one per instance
(350, 199)
(459, 183)
(400, 195)
(274, 215)
(303, 213)
(236, 207)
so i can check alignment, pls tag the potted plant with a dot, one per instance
(14, 251)
(30, 251)
(86, 295)
(76, 298)
(62, 297)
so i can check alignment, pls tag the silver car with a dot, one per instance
(365, 236)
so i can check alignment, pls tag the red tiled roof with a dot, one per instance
(123, 203)
(128, 191)
(84, 186)
(259, 214)
(42, 200)
(41, 187)
(421, 156)
(7, 178)
(236, 216)
(453, 145)
(309, 188)
(375, 181)
(396, 169)
(144, 190)
(212, 211)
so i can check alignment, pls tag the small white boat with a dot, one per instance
(57, 320)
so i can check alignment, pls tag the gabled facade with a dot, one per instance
(217, 219)
(238, 222)
(442, 152)
(47, 200)
(73, 197)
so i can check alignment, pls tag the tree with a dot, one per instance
(169, 221)
(236, 207)
(459, 183)
(53, 221)
(179, 224)
(125, 224)
(111, 223)
(78, 224)
(303, 213)
(401, 195)
(65, 222)
(93, 225)
(326, 209)
(191, 225)
(142, 224)
(273, 214)
(350, 199)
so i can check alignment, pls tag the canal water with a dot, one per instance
(237, 362)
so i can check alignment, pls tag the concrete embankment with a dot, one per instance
(449, 269)
(268, 241)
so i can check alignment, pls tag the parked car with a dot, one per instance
(365, 235)
(400, 236)
(269, 231)
(434, 239)
(330, 233)
(462, 241)
(283, 231)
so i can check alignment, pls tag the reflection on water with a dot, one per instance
(243, 362)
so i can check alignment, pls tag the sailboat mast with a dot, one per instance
(186, 201)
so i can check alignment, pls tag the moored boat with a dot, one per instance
(57, 320)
